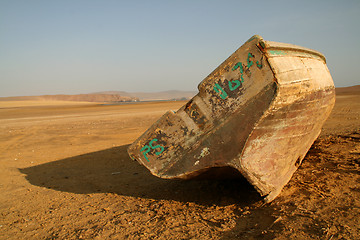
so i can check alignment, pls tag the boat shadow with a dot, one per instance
(112, 171)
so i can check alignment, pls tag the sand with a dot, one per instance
(65, 174)
(29, 103)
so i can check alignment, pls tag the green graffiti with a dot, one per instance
(220, 90)
(233, 87)
(239, 65)
(155, 147)
(147, 148)
(258, 64)
(235, 84)
(250, 63)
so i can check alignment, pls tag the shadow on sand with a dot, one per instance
(112, 170)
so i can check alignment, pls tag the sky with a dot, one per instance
(84, 46)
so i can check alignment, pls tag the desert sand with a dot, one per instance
(65, 174)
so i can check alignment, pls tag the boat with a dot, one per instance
(257, 114)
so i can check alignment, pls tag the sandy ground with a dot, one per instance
(13, 104)
(65, 174)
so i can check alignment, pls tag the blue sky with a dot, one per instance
(82, 46)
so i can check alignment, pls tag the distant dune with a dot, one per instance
(77, 98)
(121, 96)
(109, 96)
(153, 96)
(353, 90)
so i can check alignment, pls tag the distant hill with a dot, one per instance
(110, 96)
(77, 97)
(153, 96)
(121, 96)
(353, 90)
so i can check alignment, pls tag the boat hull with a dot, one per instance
(259, 112)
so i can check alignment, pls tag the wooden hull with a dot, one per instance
(259, 112)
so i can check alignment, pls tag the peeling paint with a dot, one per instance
(204, 152)
(256, 113)
(277, 52)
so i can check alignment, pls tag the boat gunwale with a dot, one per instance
(270, 45)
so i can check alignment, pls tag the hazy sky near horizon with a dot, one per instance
(83, 46)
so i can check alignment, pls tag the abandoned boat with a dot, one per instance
(259, 112)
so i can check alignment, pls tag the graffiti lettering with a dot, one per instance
(233, 87)
(220, 90)
(235, 84)
(147, 148)
(250, 63)
(145, 151)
